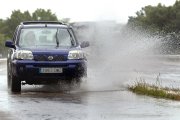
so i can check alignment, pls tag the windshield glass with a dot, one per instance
(36, 37)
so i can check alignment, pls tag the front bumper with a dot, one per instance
(28, 70)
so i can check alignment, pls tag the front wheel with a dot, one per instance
(14, 84)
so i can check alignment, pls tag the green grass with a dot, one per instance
(143, 88)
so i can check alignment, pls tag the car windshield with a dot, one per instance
(37, 37)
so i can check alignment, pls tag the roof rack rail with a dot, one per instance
(40, 22)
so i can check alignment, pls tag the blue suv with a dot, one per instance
(44, 52)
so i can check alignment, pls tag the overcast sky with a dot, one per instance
(82, 10)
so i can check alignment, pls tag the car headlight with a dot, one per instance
(76, 54)
(23, 55)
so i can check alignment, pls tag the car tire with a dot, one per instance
(8, 75)
(8, 79)
(14, 84)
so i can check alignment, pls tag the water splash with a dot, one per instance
(116, 54)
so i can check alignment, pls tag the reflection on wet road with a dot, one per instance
(48, 103)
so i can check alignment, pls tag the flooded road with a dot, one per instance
(48, 103)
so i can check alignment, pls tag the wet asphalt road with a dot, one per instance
(50, 103)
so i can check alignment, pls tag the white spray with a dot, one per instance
(115, 54)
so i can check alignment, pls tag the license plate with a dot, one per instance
(51, 70)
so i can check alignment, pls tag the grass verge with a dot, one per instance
(143, 88)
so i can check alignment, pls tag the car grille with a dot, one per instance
(53, 58)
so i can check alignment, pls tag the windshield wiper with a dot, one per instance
(57, 40)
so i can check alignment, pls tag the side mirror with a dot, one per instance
(84, 44)
(9, 44)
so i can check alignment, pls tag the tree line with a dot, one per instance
(160, 17)
(162, 20)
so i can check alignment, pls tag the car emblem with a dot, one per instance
(50, 58)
